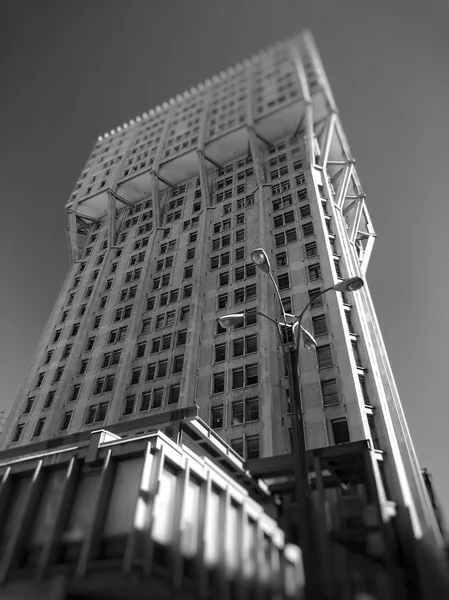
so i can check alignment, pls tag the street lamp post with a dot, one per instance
(291, 357)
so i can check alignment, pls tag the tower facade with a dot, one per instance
(162, 222)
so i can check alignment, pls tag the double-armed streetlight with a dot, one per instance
(291, 357)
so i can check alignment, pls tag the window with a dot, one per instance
(18, 433)
(96, 323)
(284, 219)
(242, 346)
(281, 259)
(252, 447)
(66, 420)
(222, 301)
(83, 366)
(74, 394)
(329, 391)
(181, 337)
(28, 405)
(220, 352)
(58, 374)
(146, 325)
(240, 253)
(75, 329)
(314, 271)
(217, 417)
(245, 411)
(185, 313)
(318, 299)
(103, 301)
(311, 249)
(237, 446)
(245, 376)
(39, 427)
(223, 278)
(340, 431)
(103, 384)
(307, 229)
(304, 211)
(337, 269)
(319, 325)
(90, 344)
(128, 408)
(155, 345)
(123, 312)
(190, 255)
(40, 379)
(145, 401)
(287, 304)
(239, 236)
(373, 431)
(110, 359)
(218, 383)
(193, 237)
(286, 237)
(178, 364)
(363, 387)
(355, 351)
(186, 293)
(57, 335)
(162, 366)
(283, 281)
(49, 399)
(324, 356)
(188, 272)
(135, 376)
(157, 398)
(141, 349)
(96, 413)
(82, 310)
(48, 357)
(283, 202)
(173, 396)
(64, 316)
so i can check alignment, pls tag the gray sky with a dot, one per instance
(70, 71)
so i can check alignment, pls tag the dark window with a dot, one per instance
(252, 447)
(217, 417)
(66, 420)
(218, 383)
(220, 352)
(340, 430)
(128, 409)
(174, 394)
(39, 427)
(178, 364)
(283, 281)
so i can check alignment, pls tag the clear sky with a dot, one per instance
(69, 71)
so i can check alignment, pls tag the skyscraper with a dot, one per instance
(162, 222)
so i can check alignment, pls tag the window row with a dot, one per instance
(241, 377)
(242, 411)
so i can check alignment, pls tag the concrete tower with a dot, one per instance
(162, 222)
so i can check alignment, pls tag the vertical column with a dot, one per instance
(47, 555)
(112, 219)
(92, 541)
(12, 553)
(267, 339)
(126, 357)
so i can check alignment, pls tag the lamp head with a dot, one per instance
(308, 340)
(228, 321)
(349, 285)
(260, 259)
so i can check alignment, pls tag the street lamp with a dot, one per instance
(291, 357)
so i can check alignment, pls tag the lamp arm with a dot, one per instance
(301, 315)
(278, 293)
